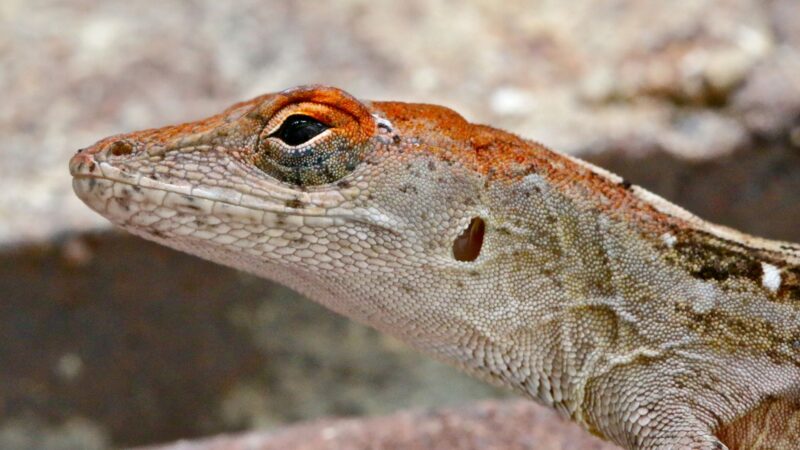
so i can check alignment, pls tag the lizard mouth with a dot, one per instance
(180, 208)
(141, 200)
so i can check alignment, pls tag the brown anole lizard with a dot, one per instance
(531, 269)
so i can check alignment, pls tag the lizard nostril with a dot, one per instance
(120, 148)
(467, 245)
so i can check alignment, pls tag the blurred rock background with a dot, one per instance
(108, 341)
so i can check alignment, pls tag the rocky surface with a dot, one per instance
(698, 101)
(513, 425)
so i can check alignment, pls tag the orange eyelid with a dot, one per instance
(323, 113)
(328, 105)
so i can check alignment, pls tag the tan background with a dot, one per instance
(107, 340)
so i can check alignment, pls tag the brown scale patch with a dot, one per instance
(774, 424)
(790, 284)
(708, 260)
(708, 257)
(295, 204)
(731, 334)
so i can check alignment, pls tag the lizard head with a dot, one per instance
(362, 206)
(453, 236)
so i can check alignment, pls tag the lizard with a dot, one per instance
(524, 267)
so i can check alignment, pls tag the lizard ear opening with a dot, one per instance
(467, 245)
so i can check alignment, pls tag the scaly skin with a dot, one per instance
(641, 322)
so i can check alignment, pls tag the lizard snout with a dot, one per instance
(95, 173)
(82, 163)
(85, 161)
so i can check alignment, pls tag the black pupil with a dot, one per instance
(298, 129)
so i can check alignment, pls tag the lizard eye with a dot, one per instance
(306, 151)
(298, 129)
(312, 136)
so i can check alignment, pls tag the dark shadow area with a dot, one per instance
(125, 333)
(149, 345)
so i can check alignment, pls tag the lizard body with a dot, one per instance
(530, 269)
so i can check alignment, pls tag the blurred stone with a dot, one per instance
(32, 434)
(513, 425)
